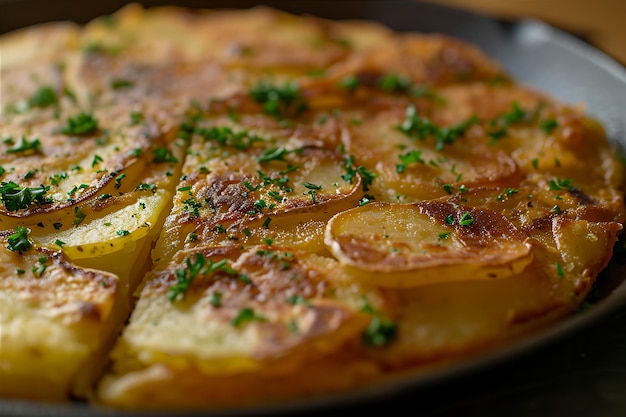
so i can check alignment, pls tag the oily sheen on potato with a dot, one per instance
(216, 208)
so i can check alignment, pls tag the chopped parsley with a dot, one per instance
(18, 241)
(45, 96)
(507, 193)
(410, 157)
(83, 124)
(558, 184)
(278, 100)
(79, 216)
(185, 276)
(394, 82)
(381, 331)
(349, 82)
(38, 270)
(417, 127)
(57, 178)
(16, 198)
(246, 315)
(25, 146)
(136, 117)
(273, 154)
(466, 219)
(216, 299)
(367, 176)
(535, 163)
(163, 155)
(297, 300)
(226, 136)
(96, 160)
(310, 186)
(146, 187)
(549, 125)
(121, 83)
(367, 198)
(559, 269)
(30, 173)
(118, 180)
(498, 128)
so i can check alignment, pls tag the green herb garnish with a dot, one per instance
(246, 315)
(409, 158)
(417, 127)
(83, 124)
(45, 96)
(26, 146)
(16, 198)
(18, 241)
(381, 331)
(466, 219)
(163, 155)
(278, 101)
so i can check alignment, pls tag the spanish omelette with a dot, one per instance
(320, 196)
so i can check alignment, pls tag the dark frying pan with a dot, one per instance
(576, 367)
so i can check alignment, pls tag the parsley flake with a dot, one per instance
(45, 96)
(82, 124)
(417, 127)
(381, 331)
(18, 241)
(16, 198)
(278, 100)
(163, 155)
(246, 315)
(25, 146)
(466, 219)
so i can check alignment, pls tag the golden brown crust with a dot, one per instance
(299, 206)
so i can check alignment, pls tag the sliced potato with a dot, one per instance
(405, 245)
(320, 196)
(57, 321)
(458, 319)
(268, 309)
(254, 174)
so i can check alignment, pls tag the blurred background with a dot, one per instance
(599, 22)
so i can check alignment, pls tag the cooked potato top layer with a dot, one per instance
(292, 205)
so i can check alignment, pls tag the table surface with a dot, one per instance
(600, 22)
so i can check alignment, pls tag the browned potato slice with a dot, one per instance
(584, 247)
(458, 319)
(405, 245)
(268, 309)
(255, 177)
(56, 320)
(143, 389)
(261, 40)
(42, 43)
(411, 167)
